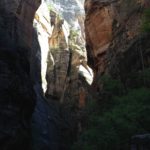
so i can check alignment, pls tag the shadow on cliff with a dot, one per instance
(45, 119)
(21, 93)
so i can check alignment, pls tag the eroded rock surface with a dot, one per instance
(113, 29)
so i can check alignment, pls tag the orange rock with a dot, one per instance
(110, 24)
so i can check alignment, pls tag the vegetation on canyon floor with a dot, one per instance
(117, 115)
(146, 21)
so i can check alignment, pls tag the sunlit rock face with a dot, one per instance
(99, 31)
(111, 27)
(40, 46)
(58, 51)
(67, 51)
(52, 57)
(71, 10)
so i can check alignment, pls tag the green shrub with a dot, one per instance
(112, 130)
(109, 89)
(51, 7)
(111, 86)
(139, 79)
(145, 76)
(146, 21)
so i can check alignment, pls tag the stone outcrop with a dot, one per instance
(58, 58)
(68, 75)
(67, 53)
(113, 37)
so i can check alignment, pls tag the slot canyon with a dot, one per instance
(74, 74)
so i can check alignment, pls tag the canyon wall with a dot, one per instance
(67, 57)
(17, 97)
(44, 72)
(114, 38)
(117, 40)
(41, 52)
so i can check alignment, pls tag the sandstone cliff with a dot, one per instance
(117, 40)
(67, 57)
(113, 36)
